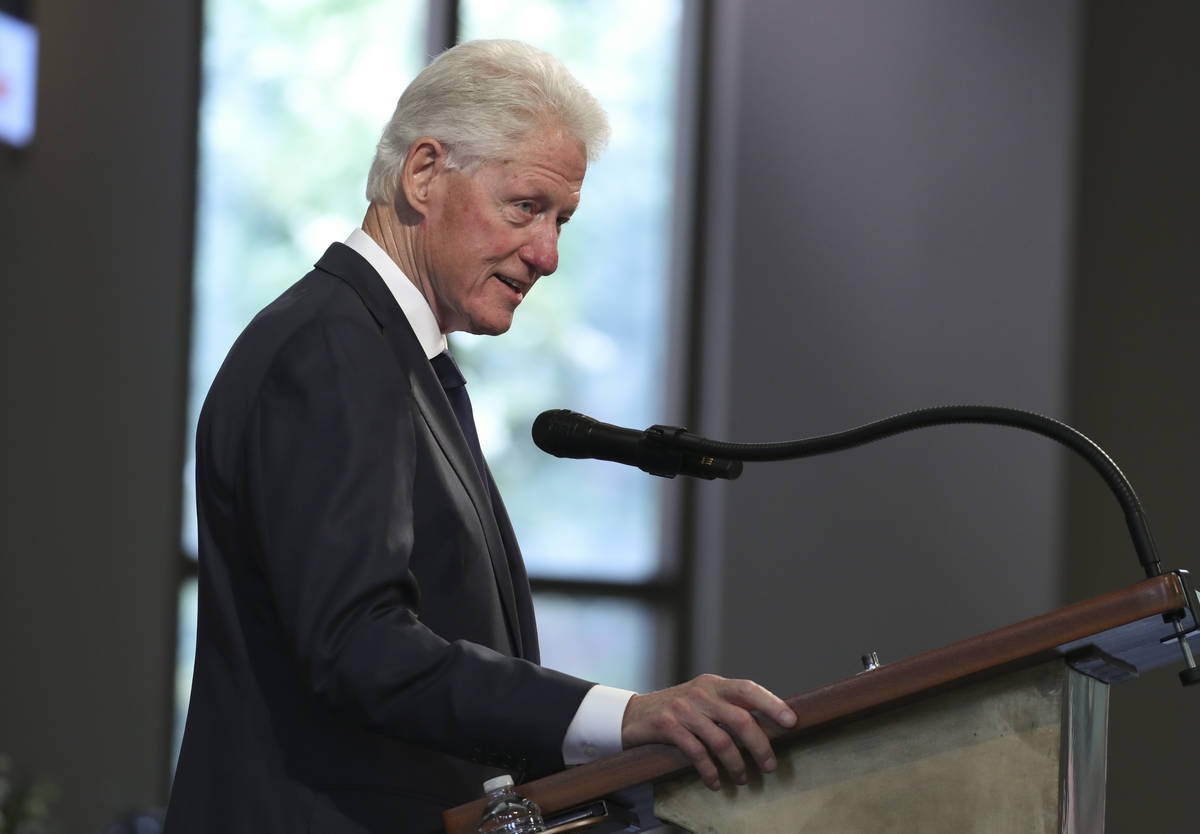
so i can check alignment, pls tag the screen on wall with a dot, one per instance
(18, 79)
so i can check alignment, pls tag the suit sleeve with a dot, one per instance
(329, 484)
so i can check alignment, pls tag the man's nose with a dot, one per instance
(540, 253)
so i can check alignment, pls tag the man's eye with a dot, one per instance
(525, 207)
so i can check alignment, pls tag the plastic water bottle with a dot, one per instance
(508, 812)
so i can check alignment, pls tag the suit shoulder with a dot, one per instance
(316, 302)
(318, 321)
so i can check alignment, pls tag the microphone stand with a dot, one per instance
(670, 438)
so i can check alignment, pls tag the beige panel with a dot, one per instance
(984, 758)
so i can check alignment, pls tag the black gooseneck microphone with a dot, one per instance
(669, 450)
(568, 434)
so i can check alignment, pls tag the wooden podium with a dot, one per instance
(1004, 732)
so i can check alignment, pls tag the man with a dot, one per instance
(366, 650)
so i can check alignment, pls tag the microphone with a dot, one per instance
(567, 434)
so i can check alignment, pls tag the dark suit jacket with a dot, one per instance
(366, 651)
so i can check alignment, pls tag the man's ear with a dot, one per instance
(426, 160)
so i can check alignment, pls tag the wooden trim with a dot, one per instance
(1019, 644)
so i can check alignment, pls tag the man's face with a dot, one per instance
(492, 233)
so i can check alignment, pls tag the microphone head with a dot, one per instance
(569, 434)
(562, 433)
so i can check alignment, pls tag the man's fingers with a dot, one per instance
(677, 722)
(752, 696)
(707, 718)
(741, 725)
(701, 760)
(740, 696)
(726, 751)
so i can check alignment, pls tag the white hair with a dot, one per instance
(481, 99)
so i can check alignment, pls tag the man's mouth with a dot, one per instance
(511, 284)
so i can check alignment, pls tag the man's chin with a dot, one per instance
(491, 326)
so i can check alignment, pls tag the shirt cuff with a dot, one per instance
(595, 731)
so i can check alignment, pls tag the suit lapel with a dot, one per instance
(520, 579)
(344, 263)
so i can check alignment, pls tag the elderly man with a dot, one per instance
(366, 650)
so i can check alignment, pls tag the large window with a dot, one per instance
(290, 110)
(294, 97)
(592, 338)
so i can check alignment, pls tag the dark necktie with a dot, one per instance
(455, 385)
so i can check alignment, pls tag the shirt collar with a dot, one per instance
(414, 306)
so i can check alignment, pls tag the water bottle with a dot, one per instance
(508, 812)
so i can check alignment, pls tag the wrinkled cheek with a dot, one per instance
(487, 234)
(476, 221)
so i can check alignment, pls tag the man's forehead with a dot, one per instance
(552, 148)
(535, 174)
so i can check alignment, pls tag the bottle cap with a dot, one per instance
(497, 782)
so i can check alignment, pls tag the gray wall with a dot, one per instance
(95, 231)
(892, 197)
(906, 207)
(925, 203)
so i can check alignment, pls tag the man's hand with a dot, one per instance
(707, 718)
